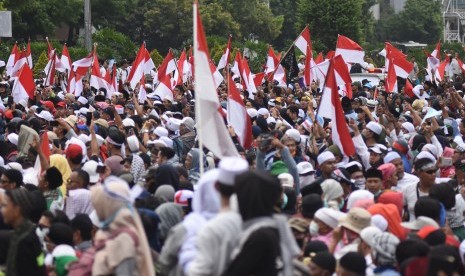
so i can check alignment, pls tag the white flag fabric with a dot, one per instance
(212, 131)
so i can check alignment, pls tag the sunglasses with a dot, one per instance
(431, 171)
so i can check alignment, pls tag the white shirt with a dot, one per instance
(411, 193)
(405, 181)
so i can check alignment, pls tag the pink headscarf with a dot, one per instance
(388, 170)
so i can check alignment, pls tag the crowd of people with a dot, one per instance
(92, 185)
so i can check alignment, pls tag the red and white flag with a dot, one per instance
(319, 59)
(247, 78)
(237, 115)
(342, 74)
(164, 88)
(258, 78)
(437, 51)
(142, 96)
(137, 69)
(183, 72)
(304, 40)
(216, 74)
(391, 79)
(65, 59)
(50, 70)
(75, 85)
(113, 83)
(14, 56)
(402, 66)
(408, 89)
(349, 50)
(81, 67)
(440, 70)
(96, 79)
(149, 64)
(22, 59)
(237, 66)
(225, 57)
(49, 49)
(331, 108)
(24, 86)
(212, 131)
(308, 76)
(272, 61)
(167, 66)
(29, 54)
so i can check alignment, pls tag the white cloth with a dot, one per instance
(405, 181)
(410, 198)
(215, 243)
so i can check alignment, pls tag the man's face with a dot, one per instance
(374, 157)
(373, 185)
(399, 167)
(428, 176)
(74, 182)
(188, 162)
(5, 183)
(328, 167)
(10, 211)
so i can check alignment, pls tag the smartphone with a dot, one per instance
(446, 161)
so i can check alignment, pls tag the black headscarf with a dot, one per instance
(165, 174)
(257, 194)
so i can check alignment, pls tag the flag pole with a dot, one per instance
(49, 68)
(197, 102)
(285, 54)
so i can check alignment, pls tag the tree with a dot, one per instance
(420, 21)
(327, 19)
(287, 9)
(40, 64)
(113, 44)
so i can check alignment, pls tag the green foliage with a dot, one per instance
(287, 9)
(420, 21)
(156, 57)
(40, 64)
(327, 19)
(77, 53)
(113, 44)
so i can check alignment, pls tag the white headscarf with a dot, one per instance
(332, 190)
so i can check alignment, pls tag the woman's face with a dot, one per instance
(188, 162)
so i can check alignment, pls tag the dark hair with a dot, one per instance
(14, 176)
(83, 224)
(77, 159)
(116, 135)
(167, 152)
(411, 248)
(84, 176)
(54, 178)
(60, 233)
(427, 207)
(293, 108)
(310, 204)
(444, 192)
(225, 190)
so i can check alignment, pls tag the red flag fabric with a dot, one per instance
(408, 89)
(391, 80)
(24, 86)
(65, 59)
(319, 59)
(304, 40)
(343, 75)
(137, 69)
(437, 51)
(330, 54)
(181, 69)
(167, 66)
(81, 66)
(331, 108)
(50, 70)
(225, 57)
(14, 56)
(212, 131)
(44, 145)
(20, 61)
(349, 50)
(258, 79)
(308, 70)
(237, 115)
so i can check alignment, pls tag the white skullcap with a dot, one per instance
(286, 179)
(173, 124)
(133, 143)
(91, 168)
(128, 122)
(270, 120)
(13, 138)
(84, 138)
(304, 167)
(392, 155)
(14, 166)
(252, 112)
(82, 100)
(157, 142)
(230, 167)
(329, 216)
(325, 156)
(379, 222)
(431, 149)
(358, 195)
(263, 112)
(161, 132)
(408, 126)
(168, 141)
(375, 127)
(294, 134)
(83, 111)
(44, 114)
(369, 232)
(426, 154)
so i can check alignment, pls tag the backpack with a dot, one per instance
(83, 266)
